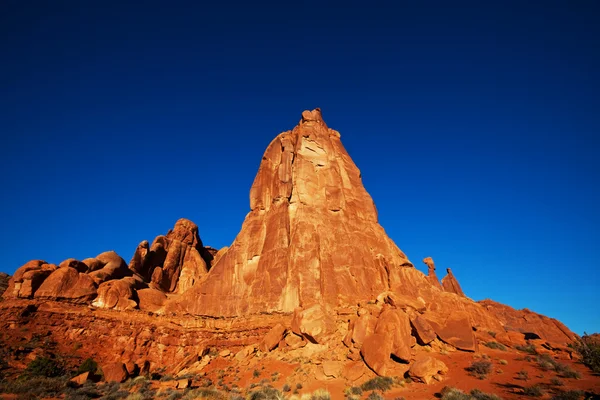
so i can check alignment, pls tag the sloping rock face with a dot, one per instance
(451, 285)
(311, 236)
(528, 322)
(173, 263)
(4, 278)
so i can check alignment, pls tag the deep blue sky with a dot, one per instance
(476, 126)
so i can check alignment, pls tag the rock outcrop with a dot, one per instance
(451, 285)
(431, 275)
(311, 236)
(311, 272)
(4, 278)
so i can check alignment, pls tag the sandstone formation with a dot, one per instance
(431, 275)
(311, 236)
(4, 278)
(311, 274)
(451, 285)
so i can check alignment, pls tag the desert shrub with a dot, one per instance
(298, 386)
(265, 393)
(44, 366)
(286, 388)
(35, 386)
(566, 372)
(89, 365)
(523, 375)
(450, 393)
(204, 393)
(546, 362)
(492, 334)
(529, 349)
(589, 351)
(556, 382)
(480, 369)
(569, 395)
(503, 362)
(166, 378)
(496, 345)
(534, 391)
(382, 383)
(353, 390)
(320, 394)
(477, 394)
(174, 395)
(374, 396)
(256, 373)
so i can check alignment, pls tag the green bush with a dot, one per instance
(589, 351)
(495, 345)
(569, 395)
(44, 366)
(382, 383)
(265, 393)
(477, 394)
(450, 393)
(374, 396)
(534, 391)
(89, 365)
(480, 369)
(529, 349)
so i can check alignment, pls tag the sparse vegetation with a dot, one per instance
(256, 373)
(569, 395)
(382, 383)
(534, 391)
(556, 382)
(547, 363)
(589, 351)
(89, 365)
(523, 375)
(286, 388)
(480, 369)
(450, 393)
(496, 345)
(320, 394)
(503, 362)
(44, 366)
(374, 396)
(492, 334)
(529, 349)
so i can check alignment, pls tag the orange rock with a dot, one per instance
(455, 329)
(451, 285)
(28, 278)
(118, 294)
(363, 327)
(151, 299)
(67, 284)
(114, 372)
(376, 351)
(272, 338)
(113, 267)
(424, 369)
(431, 275)
(314, 323)
(297, 246)
(80, 379)
(423, 330)
(395, 326)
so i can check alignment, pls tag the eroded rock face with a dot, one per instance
(298, 245)
(526, 321)
(28, 278)
(66, 283)
(431, 275)
(451, 285)
(4, 278)
(173, 263)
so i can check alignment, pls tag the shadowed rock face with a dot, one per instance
(312, 234)
(3, 283)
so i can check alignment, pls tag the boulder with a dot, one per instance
(314, 323)
(28, 278)
(422, 330)
(151, 299)
(376, 351)
(363, 327)
(66, 283)
(118, 294)
(394, 325)
(272, 338)
(113, 267)
(424, 369)
(80, 379)
(114, 372)
(454, 329)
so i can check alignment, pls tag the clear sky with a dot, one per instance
(476, 126)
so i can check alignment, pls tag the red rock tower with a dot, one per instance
(312, 234)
